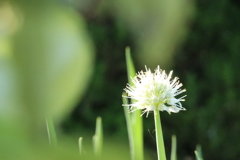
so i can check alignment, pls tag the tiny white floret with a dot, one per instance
(155, 91)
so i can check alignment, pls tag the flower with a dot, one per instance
(155, 91)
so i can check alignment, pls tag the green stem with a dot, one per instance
(198, 152)
(159, 136)
(174, 148)
(136, 118)
(80, 145)
(52, 136)
(98, 137)
(138, 135)
(129, 125)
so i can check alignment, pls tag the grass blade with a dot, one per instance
(80, 145)
(129, 125)
(52, 137)
(198, 152)
(136, 119)
(130, 66)
(174, 148)
(98, 137)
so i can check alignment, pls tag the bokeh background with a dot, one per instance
(66, 59)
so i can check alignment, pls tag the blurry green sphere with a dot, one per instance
(54, 58)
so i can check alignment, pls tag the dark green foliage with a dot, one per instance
(208, 66)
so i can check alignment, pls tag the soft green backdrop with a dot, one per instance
(65, 59)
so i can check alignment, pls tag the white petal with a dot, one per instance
(174, 109)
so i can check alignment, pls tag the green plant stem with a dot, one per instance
(80, 145)
(130, 66)
(136, 118)
(98, 137)
(159, 136)
(174, 148)
(129, 125)
(198, 152)
(138, 135)
(197, 155)
(52, 137)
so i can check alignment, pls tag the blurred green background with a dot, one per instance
(66, 59)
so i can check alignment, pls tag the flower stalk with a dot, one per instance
(151, 92)
(159, 136)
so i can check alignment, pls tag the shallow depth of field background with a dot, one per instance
(199, 41)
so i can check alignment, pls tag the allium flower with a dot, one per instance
(155, 91)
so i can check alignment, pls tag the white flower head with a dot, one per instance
(155, 91)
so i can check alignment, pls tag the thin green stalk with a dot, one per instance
(174, 148)
(129, 125)
(52, 137)
(136, 119)
(198, 152)
(94, 139)
(98, 137)
(159, 136)
(80, 145)
(138, 135)
(130, 66)
(197, 155)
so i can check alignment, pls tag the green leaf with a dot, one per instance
(198, 152)
(136, 119)
(80, 146)
(98, 137)
(130, 66)
(129, 125)
(52, 136)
